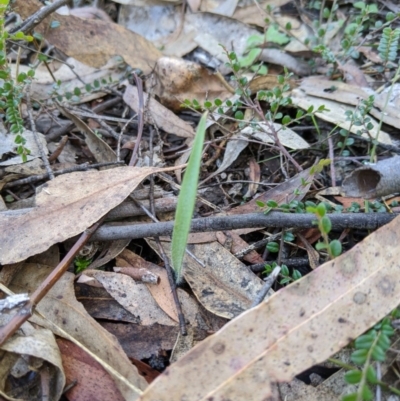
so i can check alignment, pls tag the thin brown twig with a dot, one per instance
(60, 147)
(139, 85)
(36, 18)
(26, 312)
(82, 167)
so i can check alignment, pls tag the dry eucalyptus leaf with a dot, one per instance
(162, 291)
(134, 297)
(31, 144)
(28, 351)
(301, 325)
(287, 136)
(65, 207)
(97, 42)
(336, 114)
(177, 80)
(160, 115)
(224, 286)
(351, 95)
(93, 378)
(72, 74)
(61, 307)
(101, 151)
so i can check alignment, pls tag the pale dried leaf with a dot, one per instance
(254, 13)
(65, 207)
(224, 286)
(160, 115)
(31, 144)
(40, 345)
(287, 136)
(344, 93)
(224, 7)
(61, 307)
(336, 114)
(71, 74)
(300, 326)
(134, 297)
(162, 291)
(32, 167)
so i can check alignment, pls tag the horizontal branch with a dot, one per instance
(368, 221)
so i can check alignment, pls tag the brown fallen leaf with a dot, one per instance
(93, 381)
(148, 340)
(224, 285)
(341, 92)
(162, 291)
(161, 116)
(300, 326)
(134, 297)
(97, 41)
(61, 308)
(32, 350)
(65, 207)
(178, 80)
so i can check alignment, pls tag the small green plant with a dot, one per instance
(358, 118)
(334, 247)
(187, 200)
(12, 89)
(254, 48)
(287, 277)
(388, 44)
(369, 347)
(76, 94)
(274, 119)
(81, 264)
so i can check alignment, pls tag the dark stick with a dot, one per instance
(367, 221)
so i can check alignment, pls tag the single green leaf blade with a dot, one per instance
(187, 200)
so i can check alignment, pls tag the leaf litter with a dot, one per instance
(297, 326)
